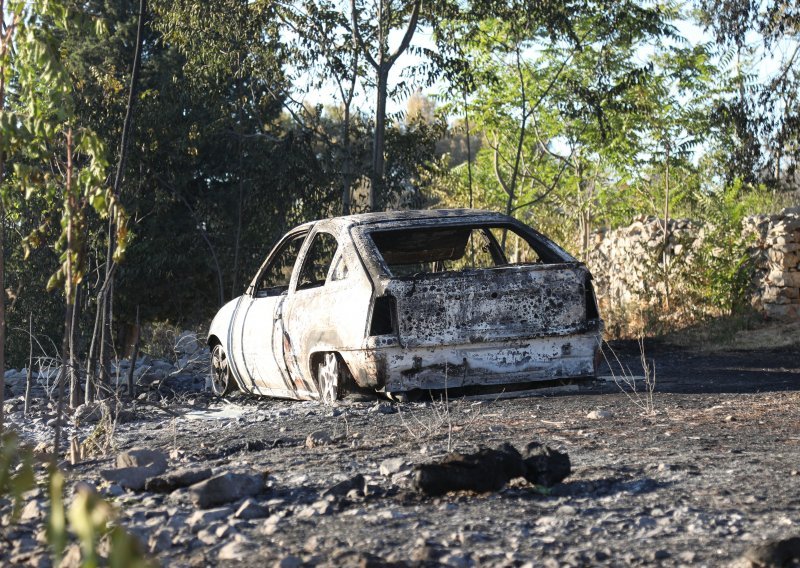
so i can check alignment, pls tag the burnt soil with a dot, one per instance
(709, 473)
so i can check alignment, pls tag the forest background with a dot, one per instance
(151, 152)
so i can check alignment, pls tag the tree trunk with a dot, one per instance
(74, 382)
(2, 306)
(29, 377)
(469, 148)
(105, 355)
(666, 228)
(347, 170)
(134, 356)
(69, 294)
(380, 132)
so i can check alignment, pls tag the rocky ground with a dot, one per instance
(702, 474)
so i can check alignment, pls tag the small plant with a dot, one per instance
(642, 398)
(90, 517)
(442, 415)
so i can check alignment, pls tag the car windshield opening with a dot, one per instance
(442, 249)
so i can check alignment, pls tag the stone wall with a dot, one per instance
(775, 249)
(630, 274)
(627, 263)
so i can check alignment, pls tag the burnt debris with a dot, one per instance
(491, 469)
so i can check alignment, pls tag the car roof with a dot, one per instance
(427, 215)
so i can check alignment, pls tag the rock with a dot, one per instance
(544, 465)
(319, 438)
(391, 465)
(600, 414)
(34, 510)
(484, 471)
(202, 519)
(383, 408)
(289, 561)
(236, 550)
(177, 479)
(774, 554)
(160, 541)
(71, 558)
(321, 507)
(251, 510)
(270, 526)
(187, 343)
(225, 488)
(143, 457)
(356, 483)
(135, 467)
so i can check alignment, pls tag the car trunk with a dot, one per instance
(498, 304)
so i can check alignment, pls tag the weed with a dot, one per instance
(627, 382)
(89, 517)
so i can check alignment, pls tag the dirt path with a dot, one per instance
(712, 472)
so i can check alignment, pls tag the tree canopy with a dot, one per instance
(250, 117)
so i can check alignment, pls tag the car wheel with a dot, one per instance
(221, 380)
(328, 378)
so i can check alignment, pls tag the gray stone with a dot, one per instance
(225, 488)
(34, 510)
(319, 438)
(356, 484)
(600, 414)
(236, 550)
(143, 457)
(289, 561)
(177, 479)
(160, 541)
(202, 519)
(251, 510)
(392, 465)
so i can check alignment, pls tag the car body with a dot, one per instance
(408, 301)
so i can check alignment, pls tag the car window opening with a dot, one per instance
(443, 249)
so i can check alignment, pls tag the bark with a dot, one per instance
(2, 306)
(469, 148)
(134, 356)
(666, 228)
(378, 161)
(74, 382)
(29, 377)
(66, 356)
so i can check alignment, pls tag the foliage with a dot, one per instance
(89, 517)
(254, 116)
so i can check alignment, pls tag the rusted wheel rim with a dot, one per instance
(219, 371)
(328, 379)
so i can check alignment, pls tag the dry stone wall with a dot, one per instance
(775, 250)
(631, 275)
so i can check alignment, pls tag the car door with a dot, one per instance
(307, 309)
(259, 353)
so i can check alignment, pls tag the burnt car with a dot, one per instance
(405, 302)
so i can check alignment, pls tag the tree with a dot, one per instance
(54, 157)
(762, 115)
(386, 17)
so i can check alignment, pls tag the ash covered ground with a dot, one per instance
(710, 474)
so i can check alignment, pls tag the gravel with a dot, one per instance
(706, 479)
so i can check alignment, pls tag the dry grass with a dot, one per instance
(740, 332)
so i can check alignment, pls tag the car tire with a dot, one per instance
(222, 382)
(329, 378)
